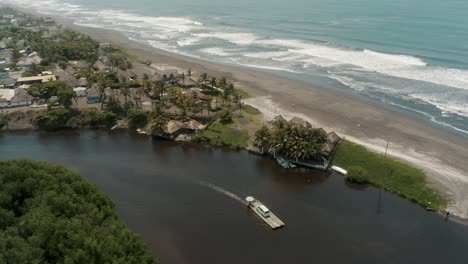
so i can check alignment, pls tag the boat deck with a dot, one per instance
(273, 221)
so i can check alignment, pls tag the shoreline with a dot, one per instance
(439, 153)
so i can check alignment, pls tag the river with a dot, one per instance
(185, 201)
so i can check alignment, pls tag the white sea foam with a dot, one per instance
(216, 51)
(236, 38)
(177, 34)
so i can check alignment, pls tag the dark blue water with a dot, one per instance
(409, 55)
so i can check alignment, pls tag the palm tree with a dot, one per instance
(222, 82)
(183, 78)
(213, 82)
(158, 121)
(126, 93)
(263, 137)
(203, 77)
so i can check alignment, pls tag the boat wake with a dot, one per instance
(222, 191)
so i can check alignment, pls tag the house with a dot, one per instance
(80, 91)
(94, 96)
(99, 65)
(31, 59)
(80, 64)
(7, 83)
(36, 79)
(5, 97)
(333, 140)
(300, 122)
(21, 98)
(174, 128)
(171, 82)
(83, 82)
(67, 76)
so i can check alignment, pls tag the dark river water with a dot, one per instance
(186, 202)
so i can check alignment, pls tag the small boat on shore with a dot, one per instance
(264, 213)
(284, 163)
(141, 132)
(339, 170)
(114, 127)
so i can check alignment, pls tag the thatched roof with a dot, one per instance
(94, 93)
(300, 122)
(280, 118)
(100, 66)
(333, 138)
(190, 82)
(174, 126)
(328, 148)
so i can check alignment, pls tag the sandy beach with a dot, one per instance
(440, 153)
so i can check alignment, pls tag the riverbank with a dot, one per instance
(439, 153)
(157, 186)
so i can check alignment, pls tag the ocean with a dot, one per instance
(408, 55)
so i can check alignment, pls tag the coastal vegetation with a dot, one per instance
(294, 141)
(357, 175)
(222, 134)
(389, 174)
(174, 106)
(137, 118)
(49, 214)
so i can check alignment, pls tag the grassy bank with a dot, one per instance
(390, 174)
(224, 135)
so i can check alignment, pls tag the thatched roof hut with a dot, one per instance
(175, 126)
(299, 122)
(333, 138)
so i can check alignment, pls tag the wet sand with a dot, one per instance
(442, 154)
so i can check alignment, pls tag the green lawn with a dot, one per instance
(223, 135)
(250, 110)
(390, 174)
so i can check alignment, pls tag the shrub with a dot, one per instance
(137, 118)
(226, 116)
(3, 122)
(54, 120)
(357, 175)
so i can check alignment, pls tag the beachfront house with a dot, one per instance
(175, 129)
(14, 98)
(329, 147)
(21, 98)
(94, 96)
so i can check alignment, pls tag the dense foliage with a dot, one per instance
(49, 214)
(226, 116)
(292, 140)
(3, 122)
(357, 175)
(53, 120)
(137, 118)
(94, 118)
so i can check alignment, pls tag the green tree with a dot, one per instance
(66, 97)
(53, 120)
(49, 214)
(137, 118)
